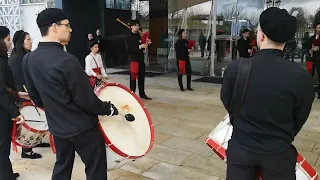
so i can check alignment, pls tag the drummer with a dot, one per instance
(94, 65)
(8, 111)
(56, 81)
(277, 104)
(22, 45)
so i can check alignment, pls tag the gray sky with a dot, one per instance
(310, 6)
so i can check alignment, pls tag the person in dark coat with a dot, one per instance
(314, 49)
(244, 44)
(136, 58)
(278, 101)
(57, 82)
(183, 59)
(22, 44)
(8, 109)
(202, 43)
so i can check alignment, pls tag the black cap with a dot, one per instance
(278, 25)
(245, 30)
(316, 24)
(92, 43)
(134, 22)
(50, 16)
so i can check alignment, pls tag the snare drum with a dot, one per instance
(30, 133)
(125, 140)
(218, 142)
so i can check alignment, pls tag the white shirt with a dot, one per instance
(90, 64)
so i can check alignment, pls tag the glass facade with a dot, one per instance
(119, 4)
(220, 23)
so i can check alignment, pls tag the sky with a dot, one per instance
(310, 6)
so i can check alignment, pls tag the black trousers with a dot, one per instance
(91, 148)
(188, 72)
(5, 146)
(141, 80)
(243, 165)
(316, 67)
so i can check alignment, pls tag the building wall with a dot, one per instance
(85, 17)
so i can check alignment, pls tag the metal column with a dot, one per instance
(213, 37)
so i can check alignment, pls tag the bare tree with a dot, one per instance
(143, 9)
(316, 17)
(231, 11)
(253, 19)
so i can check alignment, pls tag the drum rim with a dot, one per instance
(26, 125)
(107, 140)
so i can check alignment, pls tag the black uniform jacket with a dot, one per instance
(134, 52)
(243, 46)
(315, 54)
(56, 81)
(8, 108)
(181, 48)
(15, 64)
(277, 104)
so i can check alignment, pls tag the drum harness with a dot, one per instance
(239, 91)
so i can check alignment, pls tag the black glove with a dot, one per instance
(115, 110)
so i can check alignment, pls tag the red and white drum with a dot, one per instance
(125, 140)
(30, 133)
(218, 142)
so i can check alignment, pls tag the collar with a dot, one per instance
(274, 52)
(50, 44)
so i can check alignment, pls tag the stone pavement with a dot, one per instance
(182, 122)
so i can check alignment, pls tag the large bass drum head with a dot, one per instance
(127, 139)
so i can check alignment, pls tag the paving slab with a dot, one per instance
(188, 145)
(182, 121)
(168, 155)
(140, 165)
(208, 165)
(164, 171)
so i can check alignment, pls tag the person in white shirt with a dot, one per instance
(94, 65)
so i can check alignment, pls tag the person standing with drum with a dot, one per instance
(183, 59)
(94, 65)
(22, 44)
(277, 103)
(57, 82)
(136, 58)
(8, 110)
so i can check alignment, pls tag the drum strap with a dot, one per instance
(240, 88)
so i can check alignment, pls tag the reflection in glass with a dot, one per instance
(119, 4)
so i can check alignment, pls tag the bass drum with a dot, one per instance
(125, 140)
(218, 142)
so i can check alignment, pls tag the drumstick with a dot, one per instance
(140, 33)
(128, 116)
(25, 89)
(123, 23)
(34, 121)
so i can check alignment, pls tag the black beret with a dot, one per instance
(316, 24)
(92, 43)
(4, 32)
(278, 25)
(134, 22)
(245, 30)
(17, 35)
(50, 16)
